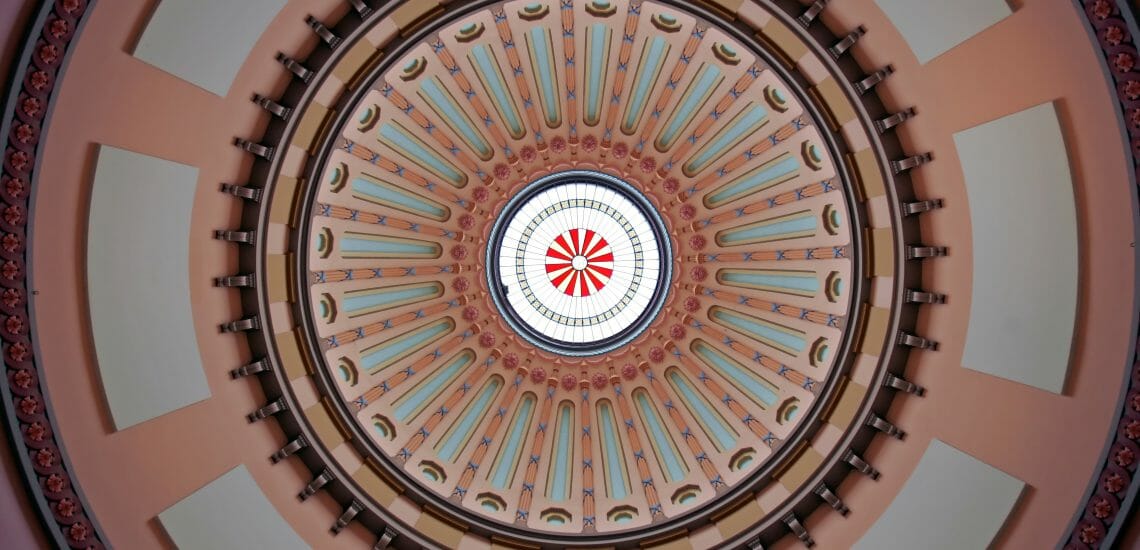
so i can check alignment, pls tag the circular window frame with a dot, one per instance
(561, 347)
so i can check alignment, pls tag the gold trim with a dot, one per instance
(837, 109)
(289, 353)
(413, 14)
(738, 516)
(875, 321)
(350, 68)
(868, 179)
(277, 278)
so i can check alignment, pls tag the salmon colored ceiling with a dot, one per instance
(597, 273)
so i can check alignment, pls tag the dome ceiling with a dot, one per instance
(526, 314)
(556, 274)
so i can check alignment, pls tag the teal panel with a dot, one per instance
(563, 455)
(769, 333)
(708, 77)
(800, 284)
(647, 73)
(509, 455)
(757, 179)
(672, 463)
(488, 68)
(542, 58)
(794, 226)
(401, 140)
(384, 193)
(712, 422)
(462, 431)
(444, 105)
(741, 127)
(412, 403)
(368, 301)
(397, 348)
(614, 460)
(359, 245)
(760, 391)
(597, 48)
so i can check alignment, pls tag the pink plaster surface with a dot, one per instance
(1052, 442)
(130, 476)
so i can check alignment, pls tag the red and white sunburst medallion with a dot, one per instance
(579, 262)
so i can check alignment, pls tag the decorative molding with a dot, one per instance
(58, 497)
(1115, 478)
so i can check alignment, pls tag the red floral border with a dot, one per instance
(45, 457)
(45, 468)
(1118, 472)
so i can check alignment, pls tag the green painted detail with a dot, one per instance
(461, 432)
(433, 92)
(380, 192)
(597, 61)
(412, 403)
(506, 464)
(743, 125)
(648, 70)
(402, 141)
(365, 115)
(797, 283)
(771, 173)
(383, 355)
(712, 423)
(756, 387)
(787, 340)
(707, 79)
(669, 459)
(487, 69)
(613, 461)
(366, 245)
(792, 226)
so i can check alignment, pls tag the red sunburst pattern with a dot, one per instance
(579, 262)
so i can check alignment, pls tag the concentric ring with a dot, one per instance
(619, 284)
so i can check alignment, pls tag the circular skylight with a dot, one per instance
(579, 263)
